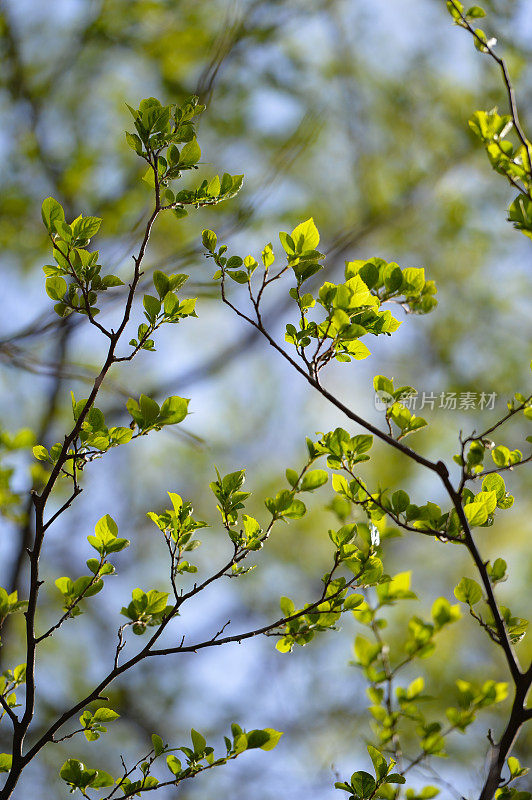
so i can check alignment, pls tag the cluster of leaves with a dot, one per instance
(161, 130)
(147, 415)
(92, 723)
(509, 159)
(348, 311)
(178, 527)
(380, 504)
(343, 453)
(363, 785)
(299, 625)
(469, 591)
(396, 410)
(244, 531)
(324, 616)
(390, 282)
(147, 609)
(480, 508)
(106, 542)
(467, 18)
(472, 461)
(354, 550)
(195, 759)
(341, 449)
(285, 505)
(165, 308)
(229, 495)
(95, 438)
(74, 262)
(396, 709)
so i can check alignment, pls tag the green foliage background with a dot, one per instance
(353, 113)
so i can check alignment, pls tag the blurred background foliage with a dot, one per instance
(352, 112)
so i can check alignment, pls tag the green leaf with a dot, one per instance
(111, 280)
(56, 287)
(400, 501)
(494, 483)
(71, 771)
(295, 510)
(488, 500)
(305, 236)
(413, 280)
(65, 585)
(173, 410)
(379, 762)
(500, 455)
(209, 240)
(6, 760)
(443, 612)
(428, 792)
(363, 784)
(86, 227)
(292, 477)
(475, 12)
(287, 243)
(134, 142)
(256, 739)
(101, 780)
(190, 154)
(158, 744)
(52, 212)
(106, 529)
(313, 480)
(455, 8)
(105, 715)
(468, 591)
(173, 764)
(497, 571)
(476, 513)
(383, 384)
(120, 435)
(272, 740)
(149, 409)
(353, 601)
(394, 777)
(520, 214)
(152, 306)
(198, 741)
(156, 601)
(481, 40)
(40, 452)
(238, 180)
(161, 283)
(365, 651)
